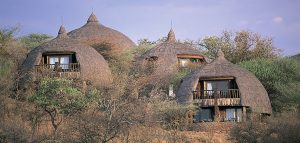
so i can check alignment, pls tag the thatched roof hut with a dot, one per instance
(93, 67)
(166, 55)
(252, 92)
(94, 33)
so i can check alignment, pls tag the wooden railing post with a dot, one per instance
(72, 67)
(211, 94)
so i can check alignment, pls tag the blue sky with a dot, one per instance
(192, 19)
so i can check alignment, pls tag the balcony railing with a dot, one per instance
(212, 94)
(72, 67)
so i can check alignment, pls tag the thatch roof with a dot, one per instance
(253, 94)
(167, 52)
(94, 33)
(93, 67)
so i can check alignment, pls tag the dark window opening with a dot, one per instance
(59, 61)
(189, 62)
(219, 88)
(204, 115)
(154, 58)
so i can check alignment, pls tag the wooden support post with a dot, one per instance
(244, 114)
(216, 108)
(84, 86)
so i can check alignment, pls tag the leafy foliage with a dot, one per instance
(11, 56)
(58, 98)
(281, 78)
(33, 40)
(241, 46)
(58, 94)
(143, 46)
(6, 37)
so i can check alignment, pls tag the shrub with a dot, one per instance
(281, 78)
(282, 128)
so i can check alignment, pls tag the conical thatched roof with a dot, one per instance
(167, 52)
(253, 94)
(93, 67)
(94, 33)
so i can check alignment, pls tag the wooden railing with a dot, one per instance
(212, 94)
(72, 67)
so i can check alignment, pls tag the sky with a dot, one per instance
(191, 19)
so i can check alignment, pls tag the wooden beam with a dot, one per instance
(244, 114)
(217, 78)
(186, 56)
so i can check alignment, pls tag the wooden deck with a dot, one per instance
(207, 98)
(71, 70)
(219, 102)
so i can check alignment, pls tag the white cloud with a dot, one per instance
(277, 19)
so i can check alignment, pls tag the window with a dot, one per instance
(63, 60)
(195, 60)
(153, 58)
(217, 85)
(183, 62)
(222, 87)
(204, 114)
(211, 86)
(233, 114)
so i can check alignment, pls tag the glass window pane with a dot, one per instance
(203, 115)
(209, 88)
(52, 61)
(183, 62)
(230, 114)
(223, 85)
(64, 61)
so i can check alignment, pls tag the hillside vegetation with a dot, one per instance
(62, 110)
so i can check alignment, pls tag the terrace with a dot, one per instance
(71, 70)
(207, 98)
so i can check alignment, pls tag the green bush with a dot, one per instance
(58, 98)
(281, 78)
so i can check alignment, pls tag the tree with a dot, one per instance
(57, 98)
(281, 78)
(6, 36)
(108, 119)
(33, 40)
(11, 56)
(240, 46)
(10, 47)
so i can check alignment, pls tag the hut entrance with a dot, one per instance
(59, 61)
(219, 87)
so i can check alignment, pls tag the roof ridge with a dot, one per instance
(62, 33)
(92, 18)
(220, 55)
(171, 36)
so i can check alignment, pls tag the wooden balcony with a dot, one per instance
(71, 70)
(206, 98)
